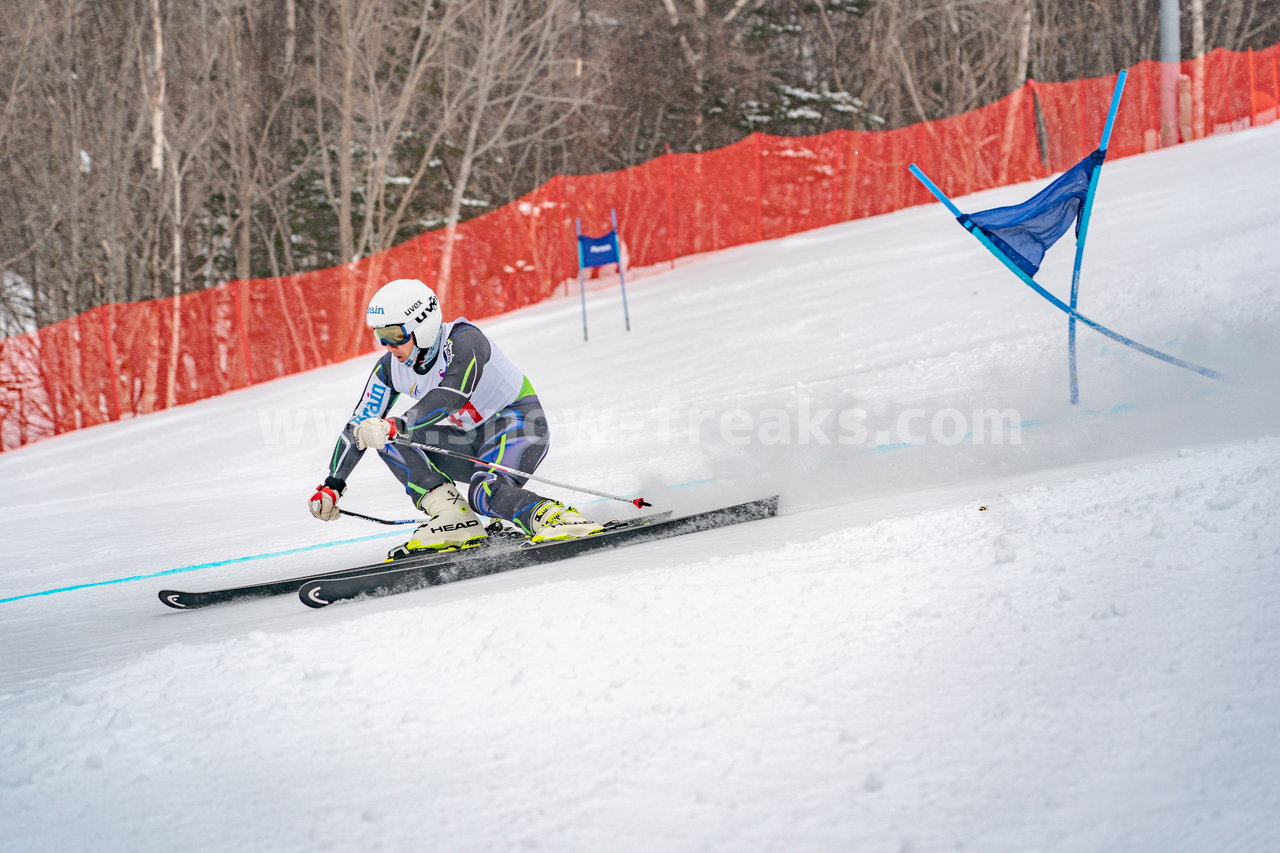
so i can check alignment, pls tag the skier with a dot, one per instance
(470, 398)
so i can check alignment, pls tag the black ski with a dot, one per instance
(507, 540)
(395, 578)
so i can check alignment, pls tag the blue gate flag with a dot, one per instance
(598, 251)
(1024, 232)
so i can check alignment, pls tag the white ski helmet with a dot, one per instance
(402, 309)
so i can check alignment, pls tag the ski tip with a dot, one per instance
(172, 598)
(313, 596)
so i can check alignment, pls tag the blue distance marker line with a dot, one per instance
(199, 566)
(250, 558)
(1118, 409)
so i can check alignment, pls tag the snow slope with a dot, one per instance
(985, 619)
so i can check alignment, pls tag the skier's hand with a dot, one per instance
(375, 433)
(324, 503)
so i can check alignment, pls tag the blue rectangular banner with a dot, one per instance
(597, 251)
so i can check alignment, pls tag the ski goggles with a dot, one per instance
(390, 336)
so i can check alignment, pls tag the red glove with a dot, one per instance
(324, 503)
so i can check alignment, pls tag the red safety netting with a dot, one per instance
(123, 360)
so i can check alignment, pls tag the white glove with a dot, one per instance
(324, 503)
(375, 433)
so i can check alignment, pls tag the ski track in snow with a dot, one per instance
(1066, 642)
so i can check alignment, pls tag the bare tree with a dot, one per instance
(149, 148)
(511, 84)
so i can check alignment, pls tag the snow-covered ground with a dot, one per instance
(985, 619)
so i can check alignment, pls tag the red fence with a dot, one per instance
(116, 361)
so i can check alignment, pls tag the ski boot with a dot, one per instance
(552, 521)
(450, 525)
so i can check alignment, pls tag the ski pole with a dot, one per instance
(378, 520)
(638, 502)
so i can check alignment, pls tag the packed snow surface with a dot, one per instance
(985, 619)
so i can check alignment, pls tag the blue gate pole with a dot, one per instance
(1053, 300)
(1085, 211)
(617, 247)
(582, 286)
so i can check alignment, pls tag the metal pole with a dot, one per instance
(1170, 70)
(348, 512)
(528, 475)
